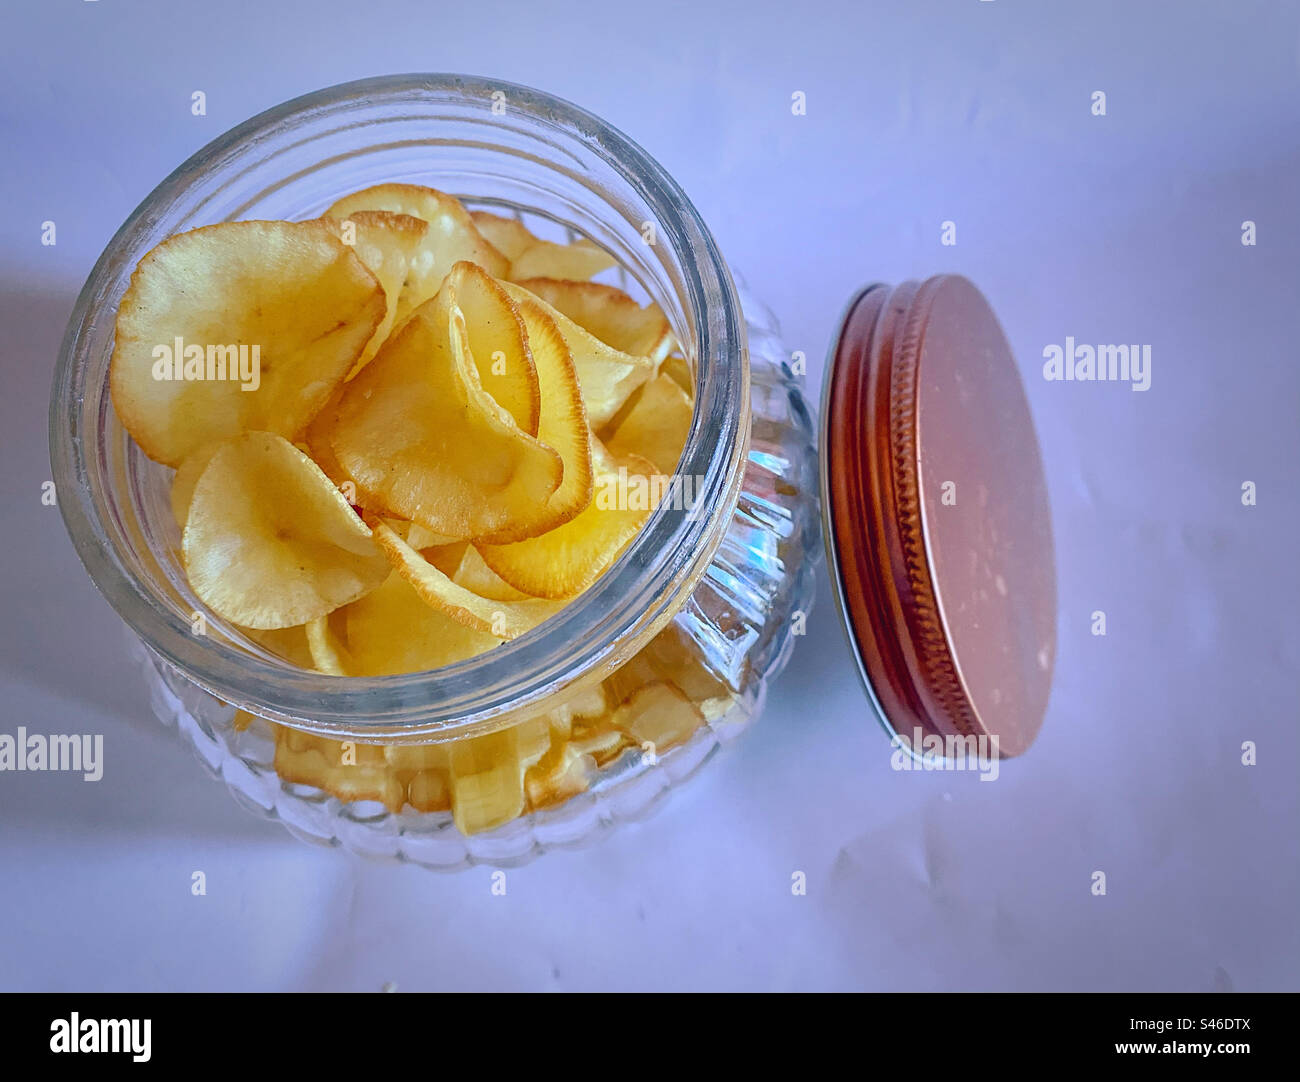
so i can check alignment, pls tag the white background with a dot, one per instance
(1121, 228)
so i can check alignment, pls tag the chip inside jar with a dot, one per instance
(403, 434)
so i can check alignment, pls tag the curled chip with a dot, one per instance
(451, 237)
(606, 376)
(563, 425)
(656, 426)
(608, 313)
(328, 654)
(500, 619)
(421, 438)
(532, 257)
(499, 343)
(563, 562)
(236, 327)
(386, 243)
(270, 542)
(392, 630)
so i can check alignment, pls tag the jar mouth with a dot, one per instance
(434, 124)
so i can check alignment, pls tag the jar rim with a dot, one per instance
(593, 633)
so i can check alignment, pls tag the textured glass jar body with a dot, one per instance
(724, 577)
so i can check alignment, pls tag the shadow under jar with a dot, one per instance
(709, 588)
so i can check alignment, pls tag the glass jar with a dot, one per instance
(726, 576)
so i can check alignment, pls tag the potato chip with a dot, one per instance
(429, 791)
(499, 344)
(676, 368)
(502, 619)
(423, 538)
(608, 313)
(487, 782)
(270, 542)
(675, 658)
(187, 476)
(564, 772)
(328, 654)
(563, 425)
(236, 327)
(422, 439)
(349, 770)
(288, 643)
(563, 562)
(532, 257)
(451, 237)
(386, 243)
(606, 377)
(446, 558)
(656, 426)
(583, 705)
(473, 574)
(577, 261)
(509, 236)
(660, 715)
(392, 630)
(319, 450)
(602, 743)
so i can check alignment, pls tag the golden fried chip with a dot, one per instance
(270, 542)
(236, 327)
(675, 658)
(429, 791)
(606, 376)
(288, 643)
(451, 237)
(563, 426)
(392, 630)
(328, 654)
(509, 236)
(582, 705)
(487, 774)
(423, 538)
(532, 257)
(387, 244)
(563, 562)
(498, 342)
(577, 261)
(660, 715)
(678, 370)
(564, 772)
(346, 769)
(608, 313)
(502, 619)
(422, 439)
(487, 782)
(473, 574)
(446, 558)
(319, 450)
(656, 426)
(187, 476)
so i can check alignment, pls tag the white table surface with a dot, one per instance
(1125, 227)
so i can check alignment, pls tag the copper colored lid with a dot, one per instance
(937, 524)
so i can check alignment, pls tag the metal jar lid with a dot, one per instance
(935, 515)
